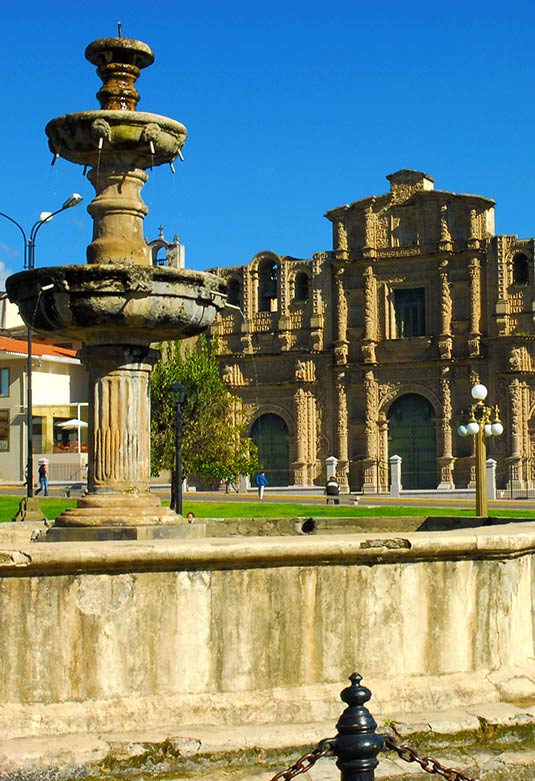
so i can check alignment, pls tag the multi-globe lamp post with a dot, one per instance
(480, 421)
(29, 263)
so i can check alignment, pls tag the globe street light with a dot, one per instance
(481, 420)
(179, 394)
(29, 263)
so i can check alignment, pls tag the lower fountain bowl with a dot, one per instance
(117, 302)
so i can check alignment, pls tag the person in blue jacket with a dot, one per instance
(261, 482)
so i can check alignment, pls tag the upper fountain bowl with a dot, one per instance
(116, 133)
(134, 138)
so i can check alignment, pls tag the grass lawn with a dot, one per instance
(53, 507)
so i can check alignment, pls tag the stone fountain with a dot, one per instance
(117, 304)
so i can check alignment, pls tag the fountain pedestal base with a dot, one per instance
(100, 517)
(95, 510)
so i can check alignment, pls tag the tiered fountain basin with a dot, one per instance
(104, 304)
(76, 137)
(119, 304)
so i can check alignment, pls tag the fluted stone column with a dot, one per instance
(119, 450)
(119, 441)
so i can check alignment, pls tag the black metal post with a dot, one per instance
(178, 467)
(357, 744)
(179, 392)
(30, 263)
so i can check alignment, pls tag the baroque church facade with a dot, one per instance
(370, 349)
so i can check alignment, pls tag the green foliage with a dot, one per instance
(213, 444)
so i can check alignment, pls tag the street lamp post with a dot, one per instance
(179, 394)
(480, 421)
(29, 263)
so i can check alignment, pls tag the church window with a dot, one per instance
(234, 292)
(267, 286)
(301, 290)
(520, 269)
(409, 306)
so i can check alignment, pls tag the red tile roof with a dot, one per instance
(20, 347)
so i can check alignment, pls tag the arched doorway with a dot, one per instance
(270, 435)
(412, 435)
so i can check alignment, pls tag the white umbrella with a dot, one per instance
(73, 423)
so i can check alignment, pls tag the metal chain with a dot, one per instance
(304, 763)
(428, 764)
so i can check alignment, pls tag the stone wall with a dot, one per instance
(133, 635)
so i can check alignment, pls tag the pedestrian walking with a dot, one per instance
(229, 483)
(43, 479)
(261, 482)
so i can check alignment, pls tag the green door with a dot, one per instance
(412, 435)
(270, 435)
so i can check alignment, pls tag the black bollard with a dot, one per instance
(357, 744)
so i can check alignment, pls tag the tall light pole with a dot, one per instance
(480, 421)
(29, 263)
(179, 394)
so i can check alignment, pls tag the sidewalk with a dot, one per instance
(494, 741)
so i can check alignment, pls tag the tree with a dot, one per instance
(214, 445)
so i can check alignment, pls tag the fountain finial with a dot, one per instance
(119, 62)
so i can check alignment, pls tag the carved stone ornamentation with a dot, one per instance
(305, 371)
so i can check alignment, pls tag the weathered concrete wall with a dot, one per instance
(130, 635)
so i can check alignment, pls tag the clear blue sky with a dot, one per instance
(292, 108)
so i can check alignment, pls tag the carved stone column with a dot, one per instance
(446, 460)
(342, 430)
(516, 479)
(317, 321)
(341, 343)
(445, 235)
(341, 249)
(250, 305)
(370, 224)
(300, 436)
(445, 341)
(370, 317)
(473, 238)
(474, 338)
(370, 466)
